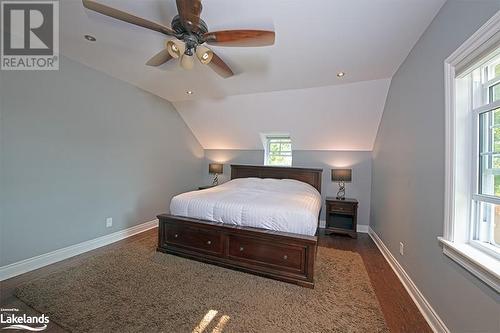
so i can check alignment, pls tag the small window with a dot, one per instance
(278, 151)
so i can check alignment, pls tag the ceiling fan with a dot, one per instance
(190, 32)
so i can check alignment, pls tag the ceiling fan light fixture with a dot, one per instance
(187, 61)
(186, 32)
(175, 48)
(204, 54)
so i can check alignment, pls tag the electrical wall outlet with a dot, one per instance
(109, 222)
(401, 248)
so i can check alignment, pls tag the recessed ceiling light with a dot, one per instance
(340, 74)
(189, 92)
(90, 38)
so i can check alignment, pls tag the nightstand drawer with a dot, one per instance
(341, 216)
(342, 207)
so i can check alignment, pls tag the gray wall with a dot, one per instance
(360, 162)
(78, 146)
(408, 173)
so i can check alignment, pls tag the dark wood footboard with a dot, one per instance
(277, 255)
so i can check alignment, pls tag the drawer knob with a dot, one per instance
(176, 235)
(285, 257)
(209, 242)
(241, 249)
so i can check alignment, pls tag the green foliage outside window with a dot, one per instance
(496, 148)
(279, 151)
(495, 95)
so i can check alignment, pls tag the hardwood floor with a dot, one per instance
(400, 313)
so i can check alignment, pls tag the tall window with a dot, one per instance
(278, 151)
(485, 85)
(472, 165)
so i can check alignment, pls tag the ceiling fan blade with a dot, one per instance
(189, 13)
(220, 67)
(159, 59)
(240, 38)
(126, 17)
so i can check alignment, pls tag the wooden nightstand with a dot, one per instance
(341, 216)
(205, 187)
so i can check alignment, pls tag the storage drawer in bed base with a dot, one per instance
(277, 255)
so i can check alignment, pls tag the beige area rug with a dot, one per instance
(140, 290)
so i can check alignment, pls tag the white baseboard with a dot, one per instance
(360, 227)
(435, 322)
(23, 266)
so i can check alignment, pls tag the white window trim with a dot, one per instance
(455, 243)
(474, 260)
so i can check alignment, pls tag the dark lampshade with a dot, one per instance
(341, 175)
(215, 168)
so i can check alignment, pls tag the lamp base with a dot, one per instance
(341, 191)
(215, 182)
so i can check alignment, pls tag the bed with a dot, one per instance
(263, 221)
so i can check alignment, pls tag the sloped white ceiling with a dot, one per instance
(341, 117)
(315, 39)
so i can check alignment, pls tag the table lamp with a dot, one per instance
(215, 169)
(341, 176)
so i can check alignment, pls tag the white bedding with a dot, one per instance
(282, 205)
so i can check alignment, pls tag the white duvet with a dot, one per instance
(282, 205)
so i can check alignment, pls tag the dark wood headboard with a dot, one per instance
(306, 175)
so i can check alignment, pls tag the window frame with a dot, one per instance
(476, 196)
(269, 139)
(461, 172)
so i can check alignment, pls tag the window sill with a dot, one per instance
(482, 265)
